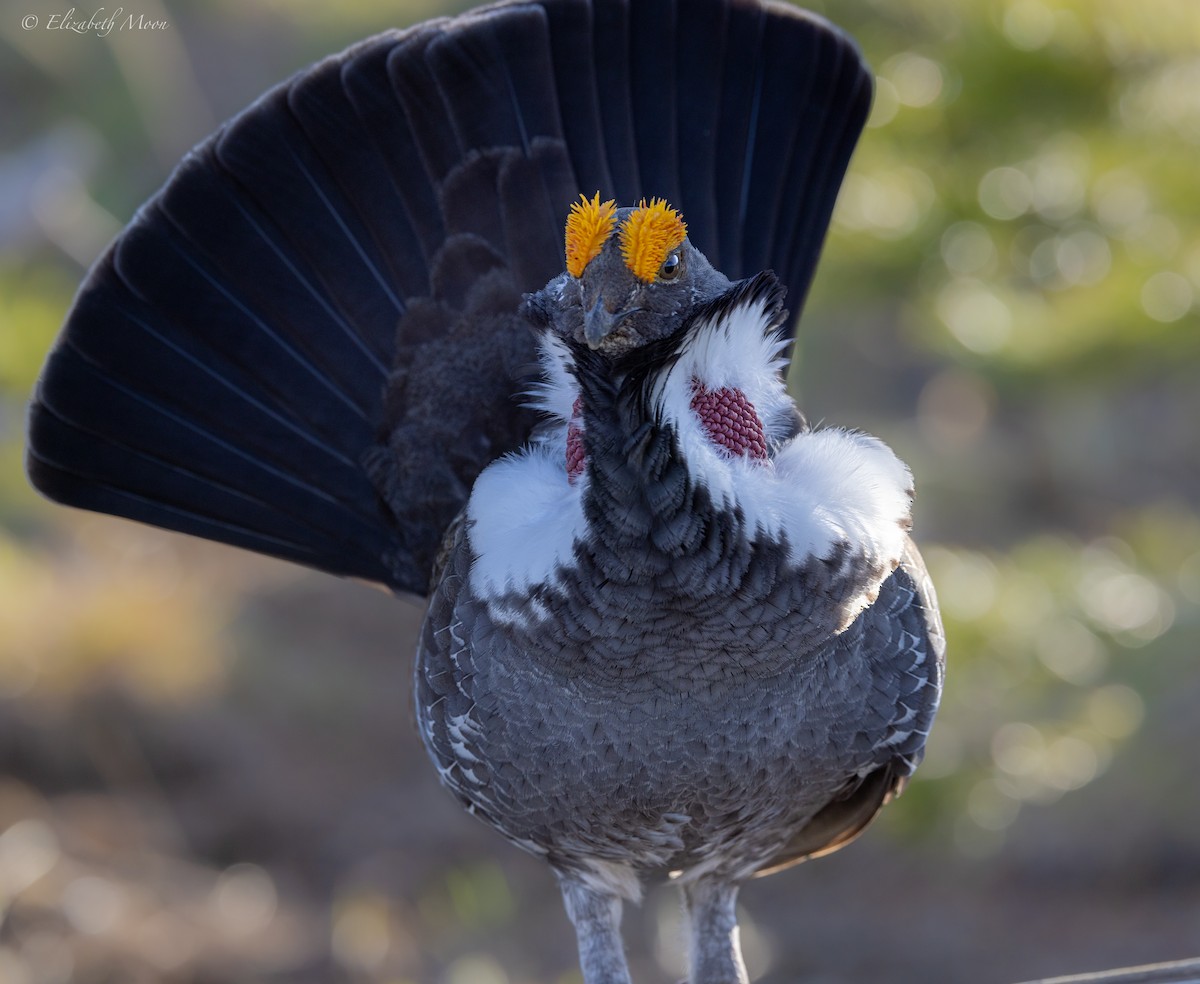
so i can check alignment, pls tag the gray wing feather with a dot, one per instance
(905, 646)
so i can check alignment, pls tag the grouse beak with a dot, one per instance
(599, 323)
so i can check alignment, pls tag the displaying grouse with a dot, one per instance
(672, 630)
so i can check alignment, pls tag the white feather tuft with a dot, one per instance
(820, 489)
(555, 393)
(845, 487)
(741, 350)
(525, 517)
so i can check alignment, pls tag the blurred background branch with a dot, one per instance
(208, 771)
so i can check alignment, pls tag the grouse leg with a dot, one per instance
(714, 949)
(597, 919)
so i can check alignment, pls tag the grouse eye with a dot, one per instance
(670, 268)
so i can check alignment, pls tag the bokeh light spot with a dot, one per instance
(476, 970)
(245, 899)
(1167, 296)
(976, 317)
(361, 933)
(28, 850)
(1115, 710)
(1029, 24)
(1005, 193)
(885, 105)
(1018, 748)
(92, 904)
(1071, 651)
(967, 248)
(918, 80)
(954, 408)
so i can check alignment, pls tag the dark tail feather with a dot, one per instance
(614, 85)
(576, 85)
(700, 37)
(846, 91)
(306, 344)
(653, 28)
(793, 87)
(161, 446)
(350, 106)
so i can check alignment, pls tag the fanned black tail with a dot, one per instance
(306, 343)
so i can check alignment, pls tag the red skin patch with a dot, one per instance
(575, 453)
(730, 420)
(728, 417)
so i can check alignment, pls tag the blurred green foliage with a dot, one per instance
(1009, 295)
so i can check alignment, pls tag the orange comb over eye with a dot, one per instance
(649, 236)
(588, 227)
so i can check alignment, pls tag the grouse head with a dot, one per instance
(632, 277)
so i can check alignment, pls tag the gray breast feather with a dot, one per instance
(669, 761)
